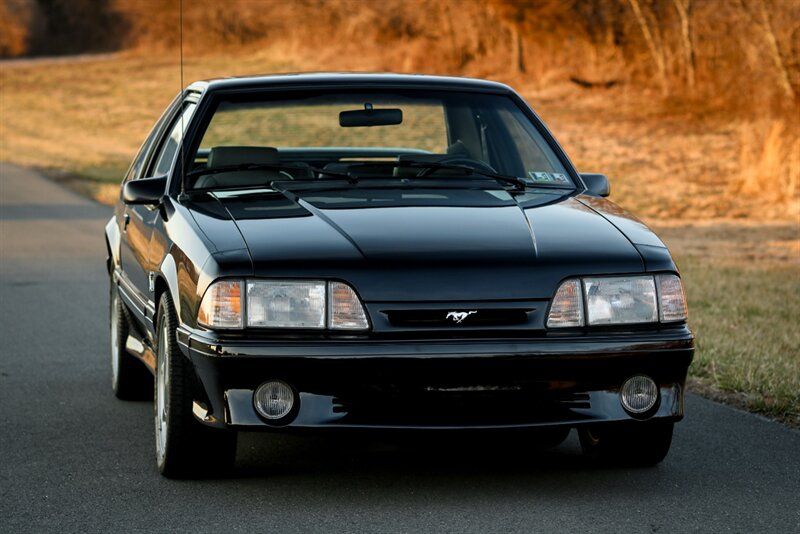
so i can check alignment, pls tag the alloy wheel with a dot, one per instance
(115, 355)
(162, 393)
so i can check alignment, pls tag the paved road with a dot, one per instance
(72, 458)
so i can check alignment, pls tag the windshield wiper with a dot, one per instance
(519, 183)
(267, 167)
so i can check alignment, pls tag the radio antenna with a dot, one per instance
(183, 126)
(181, 40)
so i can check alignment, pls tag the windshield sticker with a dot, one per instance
(548, 177)
(540, 176)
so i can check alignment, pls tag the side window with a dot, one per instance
(170, 145)
(530, 145)
(135, 170)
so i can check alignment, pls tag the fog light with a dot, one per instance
(274, 399)
(638, 394)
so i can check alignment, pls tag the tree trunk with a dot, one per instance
(517, 50)
(775, 52)
(684, 9)
(658, 54)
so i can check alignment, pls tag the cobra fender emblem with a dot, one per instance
(459, 316)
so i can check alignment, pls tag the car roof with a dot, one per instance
(323, 79)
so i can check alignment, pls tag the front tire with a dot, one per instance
(184, 447)
(130, 379)
(633, 444)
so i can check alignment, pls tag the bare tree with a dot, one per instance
(512, 13)
(655, 47)
(684, 9)
(775, 51)
(762, 19)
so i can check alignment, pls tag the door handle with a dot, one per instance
(126, 220)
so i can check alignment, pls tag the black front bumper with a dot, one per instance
(438, 384)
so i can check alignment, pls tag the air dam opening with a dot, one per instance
(274, 400)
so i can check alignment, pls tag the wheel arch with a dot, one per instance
(167, 280)
(112, 238)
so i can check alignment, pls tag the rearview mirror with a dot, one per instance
(148, 191)
(370, 117)
(596, 184)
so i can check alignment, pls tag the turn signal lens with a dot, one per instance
(673, 300)
(567, 307)
(345, 311)
(222, 305)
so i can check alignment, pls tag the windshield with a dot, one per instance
(408, 134)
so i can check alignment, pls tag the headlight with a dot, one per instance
(282, 304)
(273, 304)
(618, 300)
(623, 300)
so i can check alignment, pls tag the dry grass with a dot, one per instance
(743, 287)
(769, 162)
(87, 117)
(668, 163)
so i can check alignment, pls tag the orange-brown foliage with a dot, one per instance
(59, 27)
(733, 53)
(698, 67)
(15, 26)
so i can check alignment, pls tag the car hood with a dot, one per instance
(399, 245)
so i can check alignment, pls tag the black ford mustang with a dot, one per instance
(384, 252)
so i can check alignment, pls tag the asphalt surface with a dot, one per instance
(75, 459)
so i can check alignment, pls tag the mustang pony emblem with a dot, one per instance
(459, 316)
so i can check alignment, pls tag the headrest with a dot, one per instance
(458, 149)
(222, 156)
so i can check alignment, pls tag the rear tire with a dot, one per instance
(130, 378)
(634, 444)
(185, 448)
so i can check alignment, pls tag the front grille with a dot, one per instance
(479, 318)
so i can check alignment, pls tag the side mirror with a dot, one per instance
(596, 184)
(148, 191)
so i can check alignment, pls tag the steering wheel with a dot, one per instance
(458, 160)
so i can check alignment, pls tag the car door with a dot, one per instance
(138, 220)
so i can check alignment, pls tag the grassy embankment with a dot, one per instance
(743, 286)
(81, 121)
